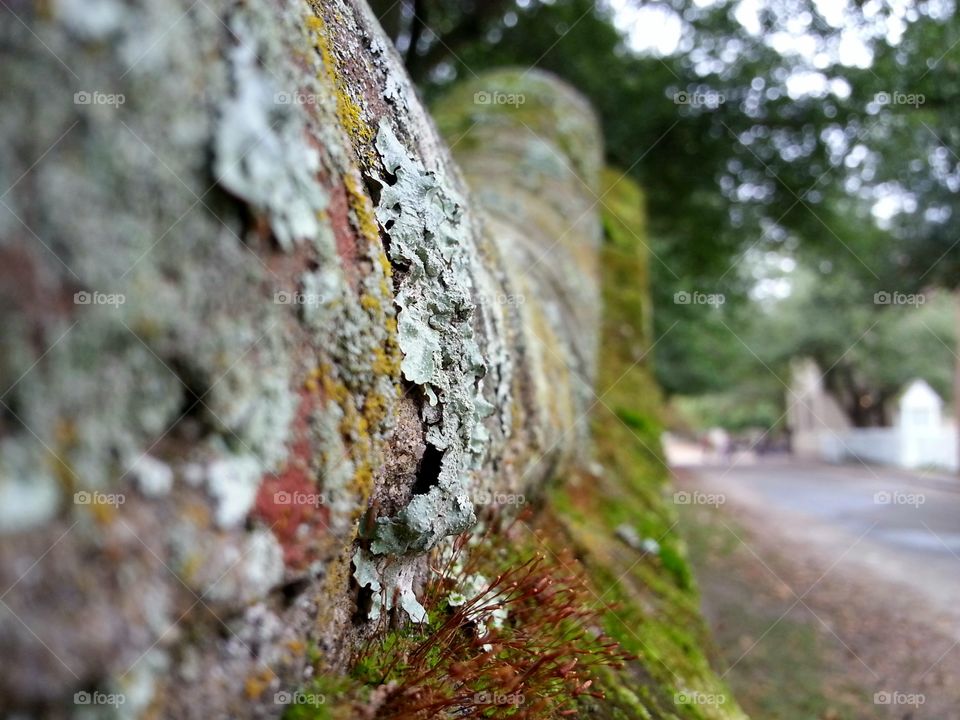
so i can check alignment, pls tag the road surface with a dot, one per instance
(903, 526)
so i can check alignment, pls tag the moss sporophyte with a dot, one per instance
(505, 632)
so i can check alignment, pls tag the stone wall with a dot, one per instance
(262, 346)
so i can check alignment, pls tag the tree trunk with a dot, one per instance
(259, 338)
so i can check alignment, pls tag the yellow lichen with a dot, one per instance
(387, 359)
(65, 435)
(370, 303)
(349, 425)
(297, 647)
(362, 482)
(385, 264)
(103, 512)
(197, 513)
(349, 111)
(363, 211)
(362, 426)
(333, 388)
(385, 364)
(190, 566)
(375, 409)
(336, 583)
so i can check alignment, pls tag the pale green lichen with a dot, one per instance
(246, 572)
(260, 152)
(396, 586)
(431, 244)
(29, 493)
(254, 403)
(233, 483)
(91, 20)
(154, 477)
(139, 686)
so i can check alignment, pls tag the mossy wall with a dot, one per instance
(265, 345)
(262, 350)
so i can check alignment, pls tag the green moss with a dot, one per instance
(652, 607)
(318, 699)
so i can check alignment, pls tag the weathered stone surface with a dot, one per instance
(259, 337)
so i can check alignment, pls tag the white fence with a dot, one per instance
(920, 437)
(933, 448)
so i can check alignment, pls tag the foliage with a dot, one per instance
(868, 343)
(867, 350)
(745, 407)
(915, 148)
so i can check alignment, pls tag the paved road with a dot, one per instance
(904, 526)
